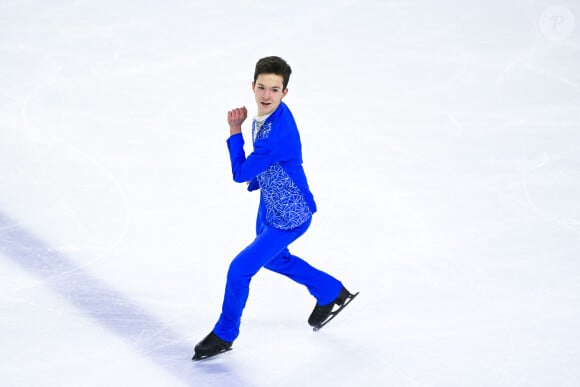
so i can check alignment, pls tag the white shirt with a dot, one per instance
(258, 122)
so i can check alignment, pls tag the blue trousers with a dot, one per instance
(269, 250)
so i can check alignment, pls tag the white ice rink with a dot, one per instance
(441, 140)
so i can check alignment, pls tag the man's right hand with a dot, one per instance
(235, 119)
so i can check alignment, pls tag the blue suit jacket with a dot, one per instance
(275, 167)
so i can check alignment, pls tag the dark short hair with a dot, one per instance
(273, 65)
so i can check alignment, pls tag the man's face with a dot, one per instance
(268, 90)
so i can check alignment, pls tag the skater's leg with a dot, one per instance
(321, 285)
(269, 243)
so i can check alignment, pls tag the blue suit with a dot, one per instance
(284, 214)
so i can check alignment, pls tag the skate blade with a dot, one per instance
(333, 314)
(201, 358)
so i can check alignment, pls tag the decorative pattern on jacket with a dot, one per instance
(285, 205)
(275, 167)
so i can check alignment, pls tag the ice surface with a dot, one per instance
(441, 141)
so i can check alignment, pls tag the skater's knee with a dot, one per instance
(239, 271)
(234, 271)
(281, 262)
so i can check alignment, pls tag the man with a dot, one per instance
(285, 210)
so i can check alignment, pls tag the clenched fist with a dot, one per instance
(235, 119)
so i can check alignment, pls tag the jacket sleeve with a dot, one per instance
(254, 185)
(246, 169)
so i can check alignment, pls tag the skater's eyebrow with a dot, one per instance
(273, 87)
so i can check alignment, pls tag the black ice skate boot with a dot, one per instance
(322, 314)
(210, 346)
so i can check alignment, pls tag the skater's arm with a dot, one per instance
(253, 184)
(236, 118)
(246, 169)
